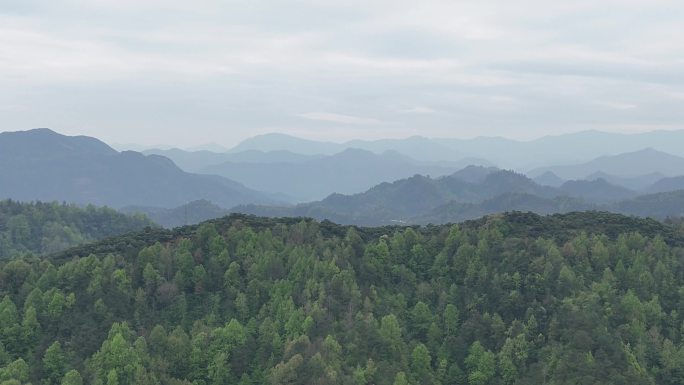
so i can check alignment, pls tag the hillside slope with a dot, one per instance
(42, 228)
(506, 299)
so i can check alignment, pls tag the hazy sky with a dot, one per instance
(191, 72)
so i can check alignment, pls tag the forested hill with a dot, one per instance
(508, 299)
(43, 228)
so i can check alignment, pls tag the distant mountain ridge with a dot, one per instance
(44, 165)
(347, 172)
(356, 186)
(404, 199)
(596, 191)
(471, 193)
(570, 148)
(630, 164)
(197, 161)
(636, 183)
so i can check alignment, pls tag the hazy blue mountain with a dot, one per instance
(574, 148)
(570, 148)
(280, 156)
(188, 214)
(597, 191)
(196, 161)
(347, 172)
(44, 165)
(631, 164)
(549, 179)
(471, 193)
(636, 183)
(659, 205)
(457, 211)
(524, 154)
(405, 199)
(473, 173)
(667, 184)
(190, 161)
(279, 142)
(416, 147)
(212, 147)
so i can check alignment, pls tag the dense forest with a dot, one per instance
(43, 228)
(582, 298)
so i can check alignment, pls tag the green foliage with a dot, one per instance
(241, 300)
(72, 377)
(44, 228)
(54, 364)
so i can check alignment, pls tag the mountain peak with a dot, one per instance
(44, 165)
(46, 143)
(645, 161)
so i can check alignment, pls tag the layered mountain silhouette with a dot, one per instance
(549, 179)
(636, 183)
(198, 161)
(631, 164)
(417, 147)
(667, 184)
(456, 211)
(351, 185)
(573, 148)
(347, 172)
(405, 199)
(471, 193)
(659, 205)
(596, 191)
(43, 165)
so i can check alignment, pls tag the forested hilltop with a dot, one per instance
(581, 298)
(43, 228)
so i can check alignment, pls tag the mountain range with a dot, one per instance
(356, 186)
(403, 200)
(347, 172)
(197, 161)
(515, 154)
(627, 165)
(260, 161)
(472, 193)
(43, 165)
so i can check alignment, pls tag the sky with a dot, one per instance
(186, 73)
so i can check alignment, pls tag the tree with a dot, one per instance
(450, 320)
(72, 377)
(421, 318)
(17, 370)
(54, 363)
(400, 379)
(481, 364)
(421, 364)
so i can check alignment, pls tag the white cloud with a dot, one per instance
(419, 110)
(618, 105)
(339, 118)
(521, 68)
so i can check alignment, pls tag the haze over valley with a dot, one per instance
(372, 183)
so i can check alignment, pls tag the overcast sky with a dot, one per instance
(193, 72)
